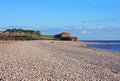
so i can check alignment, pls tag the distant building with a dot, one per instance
(66, 36)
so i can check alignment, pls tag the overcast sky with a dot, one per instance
(87, 19)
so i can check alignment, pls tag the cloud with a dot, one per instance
(79, 27)
(96, 27)
(85, 32)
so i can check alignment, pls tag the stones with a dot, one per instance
(43, 61)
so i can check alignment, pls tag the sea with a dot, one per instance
(109, 45)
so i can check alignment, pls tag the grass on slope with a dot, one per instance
(47, 37)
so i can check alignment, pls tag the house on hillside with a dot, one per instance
(66, 36)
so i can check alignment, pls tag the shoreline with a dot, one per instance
(50, 60)
(79, 44)
(99, 43)
(72, 44)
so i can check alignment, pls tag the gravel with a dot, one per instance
(56, 61)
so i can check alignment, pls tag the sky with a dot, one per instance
(86, 19)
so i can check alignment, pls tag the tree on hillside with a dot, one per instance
(21, 33)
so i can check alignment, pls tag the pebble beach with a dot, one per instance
(49, 60)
